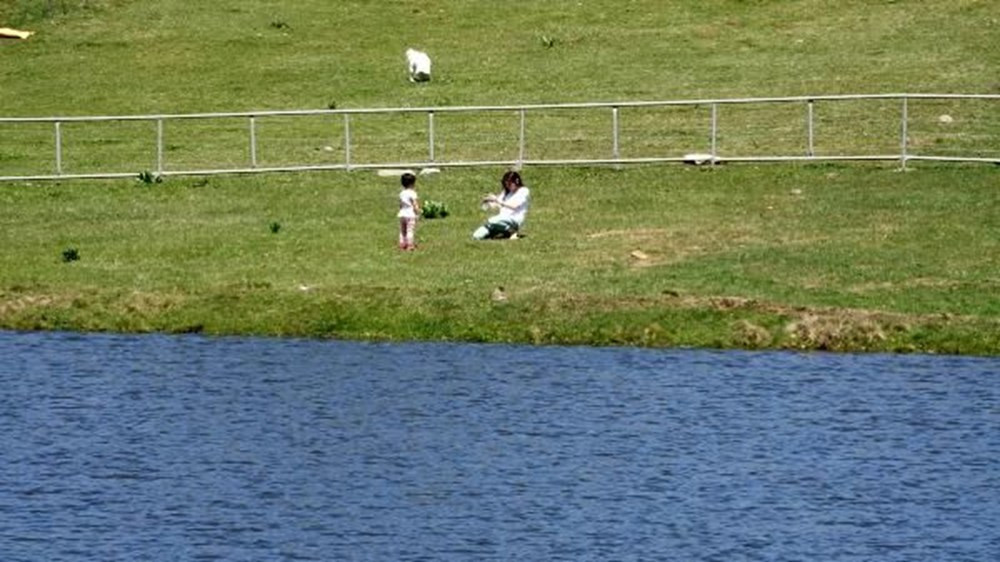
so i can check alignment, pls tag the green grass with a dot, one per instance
(112, 57)
(736, 256)
(823, 256)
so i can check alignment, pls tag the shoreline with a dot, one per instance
(666, 322)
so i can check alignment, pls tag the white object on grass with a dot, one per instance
(698, 158)
(15, 33)
(419, 65)
(392, 173)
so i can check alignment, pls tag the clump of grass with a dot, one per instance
(838, 331)
(275, 227)
(750, 335)
(434, 210)
(70, 255)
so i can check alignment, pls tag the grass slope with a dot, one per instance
(121, 56)
(810, 256)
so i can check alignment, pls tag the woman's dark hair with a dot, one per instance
(513, 177)
(407, 179)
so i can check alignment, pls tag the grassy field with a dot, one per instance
(820, 256)
(125, 56)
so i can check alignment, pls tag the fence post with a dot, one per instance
(614, 133)
(811, 152)
(520, 143)
(347, 141)
(159, 146)
(253, 142)
(430, 136)
(59, 169)
(715, 131)
(903, 133)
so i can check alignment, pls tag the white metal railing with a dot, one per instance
(616, 154)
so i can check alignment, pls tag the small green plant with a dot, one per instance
(70, 255)
(149, 178)
(434, 210)
(278, 24)
(275, 227)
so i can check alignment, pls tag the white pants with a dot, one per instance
(496, 228)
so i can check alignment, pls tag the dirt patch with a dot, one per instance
(840, 330)
(144, 303)
(833, 329)
(729, 303)
(22, 303)
(651, 247)
(817, 328)
(915, 283)
(643, 247)
(751, 335)
(14, 304)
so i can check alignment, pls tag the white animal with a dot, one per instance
(419, 64)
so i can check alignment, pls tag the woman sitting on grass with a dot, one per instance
(513, 203)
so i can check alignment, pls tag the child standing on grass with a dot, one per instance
(409, 208)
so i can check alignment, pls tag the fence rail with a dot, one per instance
(879, 127)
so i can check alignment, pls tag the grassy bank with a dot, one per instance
(859, 257)
(814, 257)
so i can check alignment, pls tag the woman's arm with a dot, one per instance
(514, 200)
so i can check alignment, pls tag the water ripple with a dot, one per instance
(194, 448)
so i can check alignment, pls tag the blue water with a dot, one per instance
(194, 448)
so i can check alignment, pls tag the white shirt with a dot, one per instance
(407, 203)
(515, 205)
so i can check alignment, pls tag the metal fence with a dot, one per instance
(884, 127)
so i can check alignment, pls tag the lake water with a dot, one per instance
(195, 448)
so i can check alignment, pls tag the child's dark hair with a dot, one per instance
(513, 177)
(408, 179)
